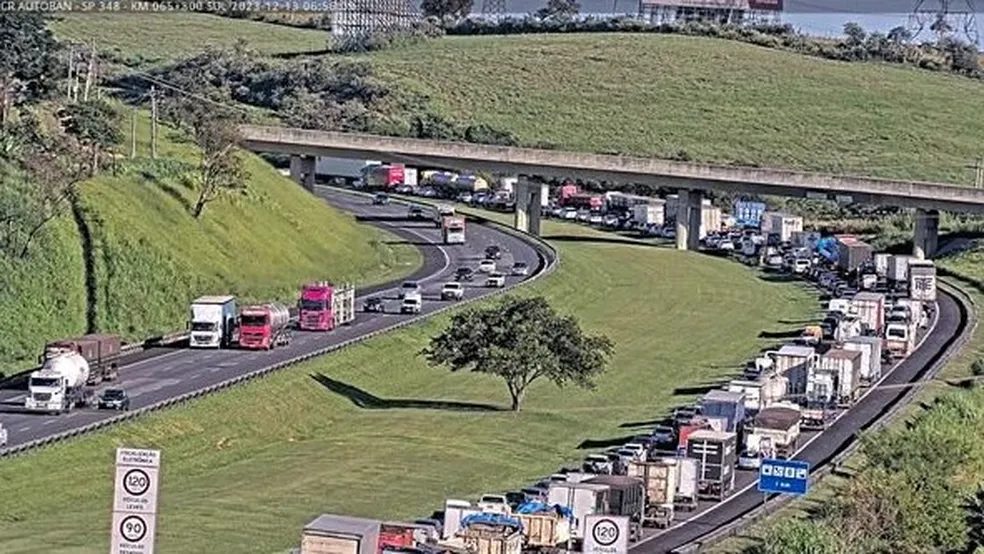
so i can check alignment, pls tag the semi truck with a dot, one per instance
(264, 327)
(212, 322)
(660, 480)
(453, 229)
(100, 351)
(60, 384)
(442, 211)
(922, 280)
(324, 306)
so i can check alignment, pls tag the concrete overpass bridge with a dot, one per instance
(691, 180)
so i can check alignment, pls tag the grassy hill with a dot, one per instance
(257, 462)
(150, 257)
(712, 99)
(150, 38)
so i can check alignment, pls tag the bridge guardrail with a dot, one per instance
(551, 260)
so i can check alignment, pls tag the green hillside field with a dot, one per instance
(150, 257)
(246, 468)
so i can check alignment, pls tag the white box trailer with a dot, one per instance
(649, 214)
(845, 366)
(871, 354)
(582, 499)
(795, 362)
(870, 308)
(922, 280)
(881, 263)
(898, 268)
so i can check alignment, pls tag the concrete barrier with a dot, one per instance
(546, 251)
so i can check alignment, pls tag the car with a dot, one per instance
(486, 266)
(409, 287)
(416, 212)
(114, 399)
(380, 199)
(493, 253)
(411, 304)
(404, 189)
(638, 450)
(464, 274)
(496, 280)
(663, 434)
(595, 219)
(465, 198)
(584, 216)
(520, 268)
(452, 291)
(749, 460)
(597, 463)
(726, 245)
(374, 305)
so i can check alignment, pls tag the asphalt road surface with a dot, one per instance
(169, 372)
(817, 449)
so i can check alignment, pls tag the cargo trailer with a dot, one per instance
(922, 280)
(780, 425)
(688, 473)
(626, 497)
(717, 454)
(794, 362)
(752, 391)
(870, 307)
(852, 252)
(323, 306)
(871, 356)
(544, 529)
(100, 351)
(748, 213)
(722, 403)
(490, 534)
(331, 534)
(454, 512)
(880, 261)
(649, 214)
(213, 322)
(582, 499)
(898, 270)
(660, 481)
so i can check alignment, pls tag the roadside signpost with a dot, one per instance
(135, 502)
(606, 534)
(784, 477)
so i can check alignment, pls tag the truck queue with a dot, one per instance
(878, 305)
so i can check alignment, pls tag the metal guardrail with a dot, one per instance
(544, 249)
(764, 510)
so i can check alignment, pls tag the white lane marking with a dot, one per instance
(50, 421)
(154, 386)
(753, 484)
(24, 428)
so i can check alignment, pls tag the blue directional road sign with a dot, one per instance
(784, 476)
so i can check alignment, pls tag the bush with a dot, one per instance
(977, 368)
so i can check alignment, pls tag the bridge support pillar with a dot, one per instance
(302, 171)
(926, 235)
(688, 218)
(528, 203)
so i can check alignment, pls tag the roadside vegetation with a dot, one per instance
(93, 240)
(374, 431)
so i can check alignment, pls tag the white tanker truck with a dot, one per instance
(59, 385)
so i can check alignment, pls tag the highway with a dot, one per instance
(817, 448)
(170, 372)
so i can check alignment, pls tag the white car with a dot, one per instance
(486, 266)
(596, 219)
(638, 450)
(408, 288)
(496, 280)
(570, 213)
(749, 460)
(452, 291)
(726, 245)
(411, 305)
(520, 269)
(583, 216)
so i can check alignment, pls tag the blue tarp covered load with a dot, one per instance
(466, 180)
(442, 178)
(534, 507)
(492, 519)
(827, 247)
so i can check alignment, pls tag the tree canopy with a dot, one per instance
(521, 340)
(29, 66)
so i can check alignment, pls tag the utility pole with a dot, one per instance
(71, 68)
(133, 134)
(90, 72)
(153, 122)
(978, 168)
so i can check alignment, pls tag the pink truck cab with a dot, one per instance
(264, 327)
(324, 306)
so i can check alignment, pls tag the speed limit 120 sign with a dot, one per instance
(135, 503)
(606, 534)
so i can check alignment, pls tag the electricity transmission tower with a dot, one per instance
(945, 18)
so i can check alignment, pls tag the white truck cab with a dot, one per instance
(212, 322)
(496, 280)
(411, 304)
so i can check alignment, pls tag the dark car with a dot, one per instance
(374, 305)
(415, 212)
(493, 252)
(464, 274)
(114, 399)
(380, 199)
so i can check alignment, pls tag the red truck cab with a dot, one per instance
(263, 327)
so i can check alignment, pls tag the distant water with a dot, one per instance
(814, 17)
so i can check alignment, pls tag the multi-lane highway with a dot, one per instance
(168, 373)
(818, 448)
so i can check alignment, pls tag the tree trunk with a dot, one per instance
(199, 205)
(517, 399)
(95, 162)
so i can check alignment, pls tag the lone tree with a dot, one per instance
(521, 340)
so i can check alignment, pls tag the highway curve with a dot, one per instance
(817, 449)
(171, 372)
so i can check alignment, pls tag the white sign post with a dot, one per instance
(606, 534)
(135, 502)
